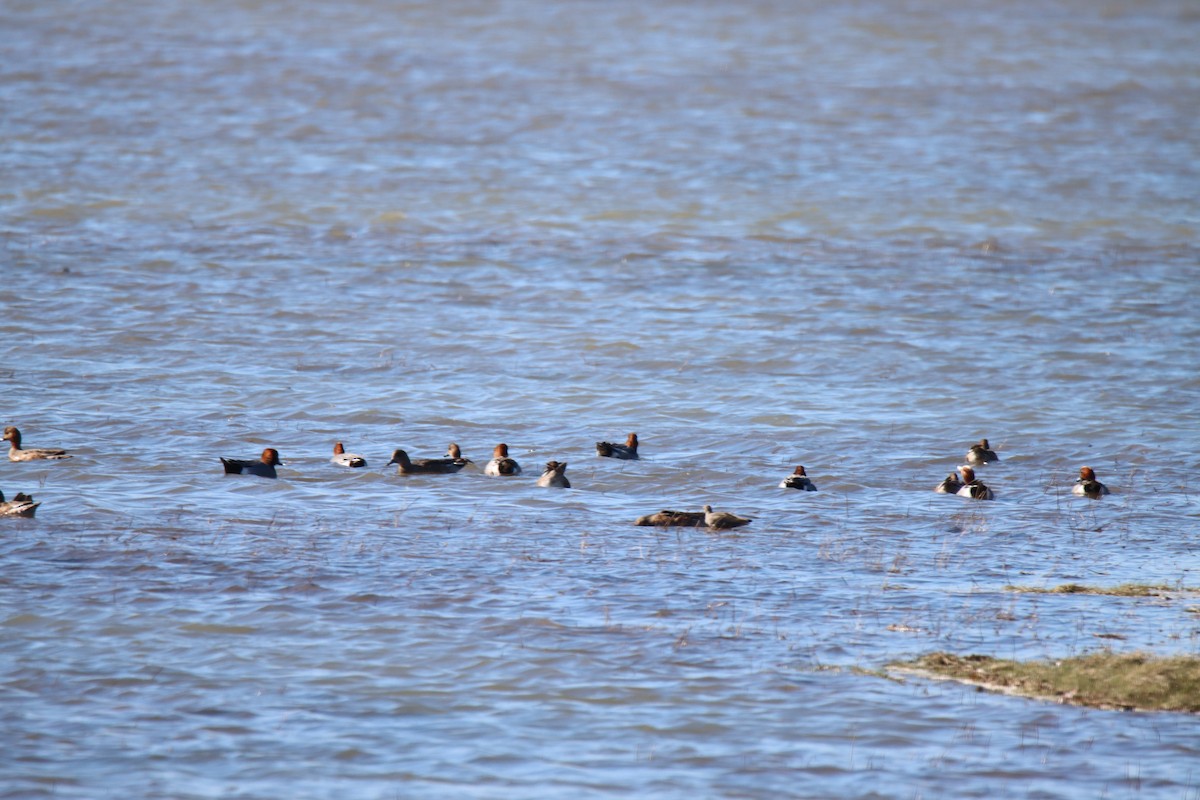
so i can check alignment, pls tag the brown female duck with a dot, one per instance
(16, 453)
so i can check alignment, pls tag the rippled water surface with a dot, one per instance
(855, 236)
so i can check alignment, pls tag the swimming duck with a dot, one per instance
(15, 453)
(666, 517)
(1088, 486)
(798, 480)
(553, 476)
(626, 451)
(501, 464)
(723, 520)
(972, 487)
(981, 453)
(949, 486)
(263, 468)
(344, 459)
(20, 506)
(455, 453)
(425, 466)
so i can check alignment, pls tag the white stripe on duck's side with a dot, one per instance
(344, 459)
(973, 487)
(798, 480)
(15, 453)
(20, 506)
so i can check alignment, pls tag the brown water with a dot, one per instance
(857, 237)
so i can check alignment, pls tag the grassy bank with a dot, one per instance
(1131, 681)
(1123, 590)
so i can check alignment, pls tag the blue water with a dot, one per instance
(858, 238)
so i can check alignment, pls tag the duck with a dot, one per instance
(627, 451)
(15, 453)
(263, 468)
(798, 480)
(1087, 485)
(501, 464)
(972, 487)
(425, 466)
(950, 485)
(723, 520)
(553, 476)
(455, 452)
(981, 453)
(666, 517)
(344, 459)
(20, 506)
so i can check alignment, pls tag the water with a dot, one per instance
(856, 237)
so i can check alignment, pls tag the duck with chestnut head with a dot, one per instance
(972, 487)
(264, 467)
(1087, 485)
(798, 480)
(627, 451)
(501, 464)
(344, 459)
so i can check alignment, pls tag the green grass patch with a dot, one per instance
(1130, 681)
(1123, 590)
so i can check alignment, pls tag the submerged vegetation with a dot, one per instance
(1123, 590)
(1130, 681)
